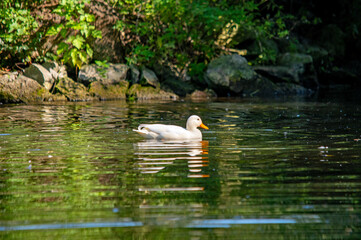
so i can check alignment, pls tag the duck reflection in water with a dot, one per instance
(154, 155)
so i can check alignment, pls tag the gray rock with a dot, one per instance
(230, 74)
(16, 88)
(279, 73)
(134, 74)
(290, 59)
(263, 87)
(148, 77)
(171, 81)
(290, 89)
(40, 74)
(318, 54)
(88, 74)
(57, 71)
(72, 90)
(113, 74)
(303, 68)
(117, 73)
(177, 86)
(293, 68)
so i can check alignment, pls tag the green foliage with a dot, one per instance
(102, 64)
(268, 55)
(186, 32)
(78, 32)
(140, 54)
(21, 35)
(182, 33)
(196, 70)
(17, 26)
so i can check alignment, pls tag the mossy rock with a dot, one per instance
(15, 88)
(7, 97)
(230, 74)
(109, 91)
(198, 95)
(72, 90)
(138, 91)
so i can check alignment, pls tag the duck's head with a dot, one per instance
(195, 121)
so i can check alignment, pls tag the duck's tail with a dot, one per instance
(143, 131)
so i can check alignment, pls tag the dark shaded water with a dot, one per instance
(279, 170)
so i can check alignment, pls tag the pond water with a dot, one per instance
(276, 170)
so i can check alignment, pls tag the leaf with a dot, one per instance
(159, 42)
(83, 56)
(119, 25)
(89, 18)
(66, 57)
(89, 51)
(63, 32)
(85, 32)
(103, 64)
(70, 39)
(97, 34)
(70, 23)
(58, 11)
(54, 30)
(78, 26)
(62, 47)
(74, 56)
(78, 42)
(13, 27)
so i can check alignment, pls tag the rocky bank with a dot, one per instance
(50, 82)
(228, 75)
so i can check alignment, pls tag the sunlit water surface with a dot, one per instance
(276, 170)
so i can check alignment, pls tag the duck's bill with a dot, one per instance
(203, 126)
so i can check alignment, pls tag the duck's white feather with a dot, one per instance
(161, 131)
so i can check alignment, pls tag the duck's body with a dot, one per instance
(161, 131)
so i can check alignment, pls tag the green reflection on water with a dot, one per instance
(77, 171)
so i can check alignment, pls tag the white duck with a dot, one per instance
(161, 131)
